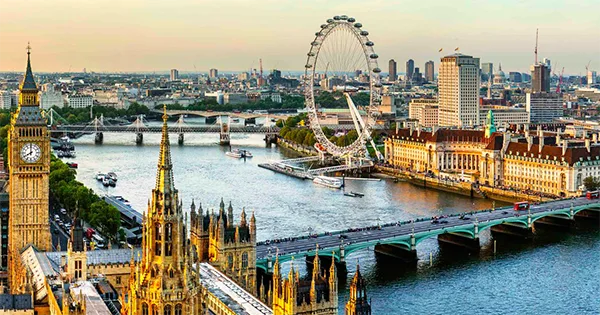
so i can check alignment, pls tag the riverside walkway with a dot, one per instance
(407, 235)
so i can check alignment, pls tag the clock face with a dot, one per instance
(31, 153)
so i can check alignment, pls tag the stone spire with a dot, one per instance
(358, 303)
(164, 174)
(230, 215)
(28, 83)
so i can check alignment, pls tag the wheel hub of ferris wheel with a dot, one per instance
(342, 48)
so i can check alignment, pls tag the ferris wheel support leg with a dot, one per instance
(358, 121)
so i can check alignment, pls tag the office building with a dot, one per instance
(458, 85)
(213, 74)
(49, 97)
(487, 71)
(540, 78)
(591, 77)
(515, 77)
(544, 107)
(429, 71)
(393, 66)
(80, 100)
(410, 69)
(5, 100)
(174, 75)
(504, 116)
(424, 111)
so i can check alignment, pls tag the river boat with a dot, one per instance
(330, 182)
(100, 176)
(247, 154)
(106, 181)
(350, 194)
(112, 176)
(235, 153)
(72, 164)
(358, 194)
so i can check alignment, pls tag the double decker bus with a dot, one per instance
(592, 194)
(523, 205)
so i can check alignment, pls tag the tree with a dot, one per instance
(591, 183)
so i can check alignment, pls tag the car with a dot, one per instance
(343, 236)
(504, 212)
(444, 221)
(435, 221)
(63, 211)
(56, 217)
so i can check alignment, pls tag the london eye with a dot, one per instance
(342, 59)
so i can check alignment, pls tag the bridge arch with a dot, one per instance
(463, 231)
(518, 221)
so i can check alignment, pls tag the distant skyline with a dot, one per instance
(232, 35)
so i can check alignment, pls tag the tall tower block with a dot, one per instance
(29, 168)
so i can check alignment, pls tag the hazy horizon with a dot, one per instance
(194, 36)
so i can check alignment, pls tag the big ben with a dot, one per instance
(29, 168)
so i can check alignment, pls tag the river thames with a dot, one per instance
(555, 273)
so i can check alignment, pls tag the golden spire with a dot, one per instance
(164, 175)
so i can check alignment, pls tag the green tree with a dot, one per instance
(591, 183)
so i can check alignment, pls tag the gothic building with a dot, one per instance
(294, 296)
(77, 254)
(29, 168)
(358, 304)
(228, 246)
(164, 281)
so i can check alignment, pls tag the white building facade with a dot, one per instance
(458, 85)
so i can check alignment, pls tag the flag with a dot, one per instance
(440, 49)
(456, 49)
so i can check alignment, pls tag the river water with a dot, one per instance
(556, 273)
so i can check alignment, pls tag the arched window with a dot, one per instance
(168, 239)
(144, 309)
(155, 310)
(178, 309)
(157, 238)
(244, 260)
(167, 309)
(230, 261)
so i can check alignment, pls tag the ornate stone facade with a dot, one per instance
(164, 281)
(228, 246)
(29, 168)
(358, 303)
(293, 296)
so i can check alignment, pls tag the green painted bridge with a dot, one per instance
(404, 237)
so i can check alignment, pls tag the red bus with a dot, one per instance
(523, 205)
(592, 194)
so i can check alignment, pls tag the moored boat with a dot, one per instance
(330, 182)
(234, 153)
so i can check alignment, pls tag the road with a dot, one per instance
(334, 240)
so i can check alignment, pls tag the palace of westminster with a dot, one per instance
(204, 265)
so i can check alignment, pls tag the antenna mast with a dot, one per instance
(536, 45)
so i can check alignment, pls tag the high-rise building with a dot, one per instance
(49, 97)
(429, 71)
(393, 66)
(358, 303)
(29, 166)
(591, 77)
(5, 100)
(515, 77)
(487, 71)
(213, 73)
(540, 78)
(544, 107)
(410, 69)
(174, 75)
(458, 85)
(164, 281)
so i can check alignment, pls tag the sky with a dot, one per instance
(232, 35)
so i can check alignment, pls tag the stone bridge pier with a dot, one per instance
(180, 139)
(555, 222)
(139, 138)
(99, 138)
(511, 230)
(397, 251)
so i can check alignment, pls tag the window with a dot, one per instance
(167, 310)
(244, 260)
(118, 279)
(144, 309)
(168, 239)
(178, 310)
(230, 261)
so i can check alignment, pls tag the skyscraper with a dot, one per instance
(487, 71)
(458, 84)
(410, 69)
(174, 75)
(429, 71)
(591, 77)
(214, 73)
(392, 71)
(540, 78)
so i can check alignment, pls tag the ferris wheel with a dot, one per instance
(341, 58)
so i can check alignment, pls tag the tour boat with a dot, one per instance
(234, 153)
(72, 164)
(353, 194)
(246, 154)
(330, 182)
(100, 176)
(106, 181)
(112, 176)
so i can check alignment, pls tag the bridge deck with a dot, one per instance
(333, 240)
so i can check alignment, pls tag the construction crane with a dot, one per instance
(560, 80)
(536, 46)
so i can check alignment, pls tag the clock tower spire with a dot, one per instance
(29, 167)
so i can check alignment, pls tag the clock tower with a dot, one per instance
(29, 167)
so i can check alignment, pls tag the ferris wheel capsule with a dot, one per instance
(357, 25)
(351, 20)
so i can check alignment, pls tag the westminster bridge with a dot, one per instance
(400, 239)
